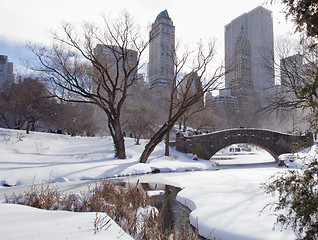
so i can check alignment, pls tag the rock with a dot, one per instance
(281, 163)
(156, 170)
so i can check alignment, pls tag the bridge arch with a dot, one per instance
(257, 145)
(206, 145)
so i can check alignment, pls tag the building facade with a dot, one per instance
(161, 53)
(292, 70)
(250, 80)
(249, 48)
(225, 105)
(242, 86)
(6, 70)
(118, 63)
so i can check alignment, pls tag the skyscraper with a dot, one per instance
(161, 53)
(6, 69)
(249, 48)
(242, 86)
(117, 62)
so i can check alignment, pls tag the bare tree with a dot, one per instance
(95, 66)
(200, 63)
(190, 114)
(141, 114)
(195, 108)
(297, 71)
(74, 118)
(25, 104)
(206, 121)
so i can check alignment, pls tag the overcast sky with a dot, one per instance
(25, 20)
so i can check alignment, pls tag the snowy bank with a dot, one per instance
(22, 222)
(42, 157)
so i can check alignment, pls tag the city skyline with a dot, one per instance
(19, 21)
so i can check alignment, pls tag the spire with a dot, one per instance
(163, 14)
(241, 33)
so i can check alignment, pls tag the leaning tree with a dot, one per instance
(96, 66)
(184, 92)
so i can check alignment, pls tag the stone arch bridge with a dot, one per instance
(206, 145)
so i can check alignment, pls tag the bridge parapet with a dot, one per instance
(206, 145)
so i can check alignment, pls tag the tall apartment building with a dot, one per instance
(161, 53)
(6, 69)
(249, 48)
(242, 86)
(114, 61)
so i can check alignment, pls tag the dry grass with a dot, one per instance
(43, 198)
(129, 207)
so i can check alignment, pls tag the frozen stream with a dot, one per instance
(226, 203)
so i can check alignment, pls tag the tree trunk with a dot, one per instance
(160, 134)
(137, 141)
(180, 123)
(167, 145)
(153, 142)
(28, 127)
(33, 125)
(156, 139)
(184, 124)
(118, 139)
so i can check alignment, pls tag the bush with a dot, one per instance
(297, 204)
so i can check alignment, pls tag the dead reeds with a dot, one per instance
(129, 206)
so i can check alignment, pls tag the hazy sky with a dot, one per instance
(22, 20)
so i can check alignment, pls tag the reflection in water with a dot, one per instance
(175, 215)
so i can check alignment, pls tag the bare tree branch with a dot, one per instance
(94, 66)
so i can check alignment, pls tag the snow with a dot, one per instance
(225, 204)
(41, 158)
(228, 204)
(21, 222)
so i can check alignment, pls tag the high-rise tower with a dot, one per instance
(242, 86)
(258, 32)
(116, 61)
(6, 70)
(161, 53)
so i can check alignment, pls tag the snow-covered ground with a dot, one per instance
(225, 203)
(42, 158)
(21, 222)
